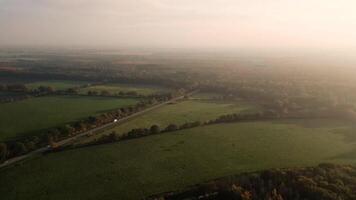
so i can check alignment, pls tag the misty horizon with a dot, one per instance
(178, 24)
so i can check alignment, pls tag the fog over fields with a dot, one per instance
(178, 99)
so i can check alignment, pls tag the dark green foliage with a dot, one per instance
(190, 125)
(324, 182)
(16, 88)
(19, 148)
(3, 152)
(171, 127)
(155, 129)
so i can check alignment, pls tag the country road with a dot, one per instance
(98, 129)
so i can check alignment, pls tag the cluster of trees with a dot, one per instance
(243, 117)
(12, 149)
(118, 94)
(13, 88)
(142, 132)
(324, 182)
(5, 98)
(13, 92)
(21, 91)
(155, 129)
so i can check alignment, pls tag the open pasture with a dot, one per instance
(35, 114)
(136, 168)
(179, 113)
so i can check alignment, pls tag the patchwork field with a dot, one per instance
(28, 116)
(181, 112)
(136, 168)
(116, 88)
(57, 85)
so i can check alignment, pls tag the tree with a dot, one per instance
(92, 93)
(171, 127)
(155, 129)
(19, 148)
(131, 93)
(66, 130)
(50, 141)
(3, 152)
(55, 133)
(72, 91)
(45, 89)
(80, 126)
(105, 93)
(17, 88)
(2, 87)
(92, 119)
(112, 136)
(30, 145)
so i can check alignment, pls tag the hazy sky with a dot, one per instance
(179, 23)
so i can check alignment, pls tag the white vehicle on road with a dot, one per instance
(115, 120)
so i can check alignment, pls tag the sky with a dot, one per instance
(179, 23)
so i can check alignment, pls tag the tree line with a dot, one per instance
(155, 129)
(10, 149)
(227, 118)
(323, 182)
(19, 92)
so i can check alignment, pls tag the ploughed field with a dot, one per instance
(30, 116)
(136, 168)
(196, 109)
(116, 88)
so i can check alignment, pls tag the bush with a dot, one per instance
(3, 152)
(20, 148)
(155, 129)
(171, 127)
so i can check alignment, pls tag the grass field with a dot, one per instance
(57, 85)
(140, 167)
(116, 88)
(28, 116)
(180, 113)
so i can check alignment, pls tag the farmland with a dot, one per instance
(182, 121)
(57, 85)
(35, 114)
(195, 109)
(137, 168)
(116, 88)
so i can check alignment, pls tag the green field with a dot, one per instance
(136, 168)
(180, 113)
(116, 88)
(57, 85)
(28, 116)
